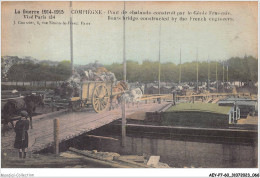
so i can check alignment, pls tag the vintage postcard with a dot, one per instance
(129, 84)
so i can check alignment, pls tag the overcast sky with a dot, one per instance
(103, 39)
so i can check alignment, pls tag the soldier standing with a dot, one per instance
(21, 138)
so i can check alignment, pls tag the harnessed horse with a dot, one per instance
(14, 107)
(118, 90)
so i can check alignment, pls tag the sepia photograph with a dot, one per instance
(171, 85)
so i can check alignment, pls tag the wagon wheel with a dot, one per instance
(76, 105)
(100, 98)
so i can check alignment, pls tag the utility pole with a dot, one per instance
(217, 75)
(123, 103)
(159, 75)
(223, 77)
(227, 74)
(71, 41)
(197, 70)
(208, 73)
(180, 68)
(124, 47)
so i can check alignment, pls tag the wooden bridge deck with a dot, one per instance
(71, 124)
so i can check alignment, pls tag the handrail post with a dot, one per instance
(56, 136)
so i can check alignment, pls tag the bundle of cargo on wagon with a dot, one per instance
(93, 87)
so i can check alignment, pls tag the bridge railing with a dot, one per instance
(189, 97)
(34, 83)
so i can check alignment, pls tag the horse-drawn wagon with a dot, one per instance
(98, 94)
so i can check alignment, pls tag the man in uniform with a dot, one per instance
(21, 138)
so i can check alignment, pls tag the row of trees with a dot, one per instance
(39, 72)
(240, 69)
